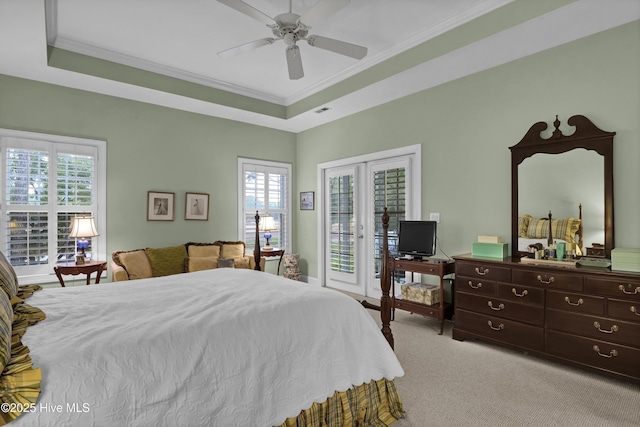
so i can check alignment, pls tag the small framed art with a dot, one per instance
(307, 200)
(160, 206)
(197, 206)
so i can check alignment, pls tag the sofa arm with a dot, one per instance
(118, 273)
(252, 263)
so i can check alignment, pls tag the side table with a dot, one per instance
(273, 253)
(71, 268)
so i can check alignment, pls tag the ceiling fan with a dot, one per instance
(291, 27)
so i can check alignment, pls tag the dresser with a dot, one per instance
(588, 317)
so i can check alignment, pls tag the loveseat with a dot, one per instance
(191, 256)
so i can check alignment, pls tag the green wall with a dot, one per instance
(466, 127)
(149, 148)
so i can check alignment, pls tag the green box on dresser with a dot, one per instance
(490, 250)
(625, 260)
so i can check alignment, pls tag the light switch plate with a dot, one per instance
(434, 217)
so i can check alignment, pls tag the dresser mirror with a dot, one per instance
(571, 176)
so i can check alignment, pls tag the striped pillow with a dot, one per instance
(6, 319)
(8, 278)
(564, 229)
(523, 225)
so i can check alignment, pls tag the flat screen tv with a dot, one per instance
(417, 239)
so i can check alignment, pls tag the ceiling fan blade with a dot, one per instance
(337, 46)
(245, 47)
(294, 62)
(248, 10)
(321, 10)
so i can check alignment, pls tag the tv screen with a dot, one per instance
(417, 238)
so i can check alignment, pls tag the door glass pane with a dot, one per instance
(342, 223)
(389, 189)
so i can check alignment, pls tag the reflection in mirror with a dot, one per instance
(560, 183)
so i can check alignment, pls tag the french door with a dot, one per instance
(354, 197)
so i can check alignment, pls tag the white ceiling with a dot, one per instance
(180, 38)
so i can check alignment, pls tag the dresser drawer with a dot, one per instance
(475, 286)
(623, 309)
(521, 294)
(483, 271)
(549, 279)
(575, 303)
(597, 353)
(532, 314)
(617, 288)
(506, 331)
(613, 330)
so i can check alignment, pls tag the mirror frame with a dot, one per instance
(586, 136)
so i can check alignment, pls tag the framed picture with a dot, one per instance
(306, 200)
(160, 206)
(197, 206)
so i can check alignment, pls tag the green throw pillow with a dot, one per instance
(166, 261)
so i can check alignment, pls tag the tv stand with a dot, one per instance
(433, 267)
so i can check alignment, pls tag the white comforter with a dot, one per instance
(221, 347)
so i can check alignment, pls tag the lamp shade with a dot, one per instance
(82, 227)
(267, 223)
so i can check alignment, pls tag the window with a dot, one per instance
(46, 181)
(264, 187)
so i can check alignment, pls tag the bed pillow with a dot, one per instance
(6, 319)
(168, 260)
(8, 278)
(523, 225)
(200, 263)
(136, 263)
(538, 228)
(564, 229)
(203, 249)
(232, 249)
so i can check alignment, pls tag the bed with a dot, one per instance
(532, 230)
(223, 347)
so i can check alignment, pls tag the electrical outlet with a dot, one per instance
(434, 217)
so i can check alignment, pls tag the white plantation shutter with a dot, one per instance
(265, 187)
(389, 189)
(45, 185)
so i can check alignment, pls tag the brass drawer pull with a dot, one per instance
(622, 288)
(634, 310)
(580, 302)
(498, 308)
(612, 353)
(613, 329)
(524, 293)
(472, 286)
(483, 272)
(551, 279)
(498, 328)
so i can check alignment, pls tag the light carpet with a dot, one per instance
(454, 383)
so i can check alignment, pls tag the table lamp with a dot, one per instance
(267, 224)
(82, 227)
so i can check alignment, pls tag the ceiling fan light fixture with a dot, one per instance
(289, 39)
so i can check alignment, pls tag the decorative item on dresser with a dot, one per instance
(588, 317)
